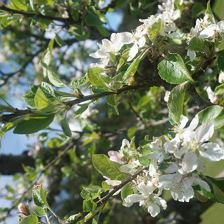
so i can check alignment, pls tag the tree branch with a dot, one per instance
(11, 164)
(18, 113)
(38, 15)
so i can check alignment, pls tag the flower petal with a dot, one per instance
(183, 121)
(189, 163)
(194, 123)
(153, 209)
(146, 189)
(133, 51)
(204, 132)
(132, 198)
(212, 151)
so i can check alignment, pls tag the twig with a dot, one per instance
(7, 117)
(41, 172)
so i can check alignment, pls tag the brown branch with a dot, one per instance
(103, 94)
(101, 202)
(11, 164)
(18, 113)
(37, 15)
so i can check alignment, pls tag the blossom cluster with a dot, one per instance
(174, 164)
(168, 163)
(138, 39)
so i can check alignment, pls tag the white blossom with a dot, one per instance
(191, 142)
(112, 46)
(211, 95)
(180, 186)
(221, 77)
(145, 197)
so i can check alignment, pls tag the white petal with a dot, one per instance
(172, 168)
(161, 202)
(209, 31)
(141, 42)
(125, 144)
(211, 95)
(132, 198)
(183, 121)
(221, 77)
(146, 189)
(133, 51)
(128, 168)
(106, 45)
(189, 163)
(180, 152)
(191, 54)
(167, 181)
(183, 194)
(115, 156)
(154, 209)
(172, 146)
(194, 123)
(204, 132)
(167, 95)
(124, 37)
(153, 169)
(212, 151)
(113, 182)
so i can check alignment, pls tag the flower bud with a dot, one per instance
(23, 209)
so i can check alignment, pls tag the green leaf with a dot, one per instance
(131, 132)
(126, 190)
(209, 113)
(47, 57)
(79, 32)
(59, 41)
(107, 168)
(97, 78)
(123, 59)
(83, 107)
(40, 100)
(217, 185)
(218, 9)
(47, 90)
(91, 192)
(32, 124)
(155, 30)
(39, 211)
(31, 219)
(219, 90)
(52, 76)
(173, 70)
(198, 44)
(89, 205)
(133, 67)
(19, 4)
(113, 102)
(78, 83)
(176, 102)
(6, 127)
(40, 196)
(212, 114)
(65, 127)
(94, 18)
(29, 96)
